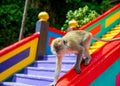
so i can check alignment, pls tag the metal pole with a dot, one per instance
(23, 20)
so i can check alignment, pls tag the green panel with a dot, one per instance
(102, 23)
(103, 30)
(108, 77)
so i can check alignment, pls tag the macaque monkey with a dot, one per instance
(71, 28)
(77, 42)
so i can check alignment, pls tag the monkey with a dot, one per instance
(76, 42)
(71, 28)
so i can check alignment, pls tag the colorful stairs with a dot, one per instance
(102, 58)
(109, 35)
(41, 74)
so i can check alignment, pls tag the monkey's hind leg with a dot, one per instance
(88, 57)
(79, 60)
(86, 52)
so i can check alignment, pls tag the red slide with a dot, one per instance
(101, 60)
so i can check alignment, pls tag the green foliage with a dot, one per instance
(106, 5)
(71, 1)
(9, 24)
(31, 19)
(11, 12)
(81, 15)
(99, 6)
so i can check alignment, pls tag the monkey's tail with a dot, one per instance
(98, 39)
(115, 39)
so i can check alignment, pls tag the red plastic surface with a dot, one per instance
(56, 31)
(101, 60)
(118, 80)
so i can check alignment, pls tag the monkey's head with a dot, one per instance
(58, 45)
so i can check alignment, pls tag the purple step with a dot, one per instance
(43, 71)
(66, 64)
(33, 79)
(66, 57)
(14, 84)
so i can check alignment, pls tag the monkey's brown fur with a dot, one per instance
(77, 42)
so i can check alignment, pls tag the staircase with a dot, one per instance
(42, 73)
(109, 35)
(103, 55)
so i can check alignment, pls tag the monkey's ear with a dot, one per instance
(64, 42)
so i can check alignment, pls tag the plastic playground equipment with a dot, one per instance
(103, 69)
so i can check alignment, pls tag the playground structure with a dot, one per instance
(103, 69)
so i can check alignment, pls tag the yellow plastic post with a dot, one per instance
(73, 24)
(43, 16)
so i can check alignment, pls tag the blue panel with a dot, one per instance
(14, 60)
(54, 35)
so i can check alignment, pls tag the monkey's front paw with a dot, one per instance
(53, 84)
(78, 71)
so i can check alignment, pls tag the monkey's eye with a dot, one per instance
(64, 42)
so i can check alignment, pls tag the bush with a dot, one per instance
(9, 24)
(81, 15)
